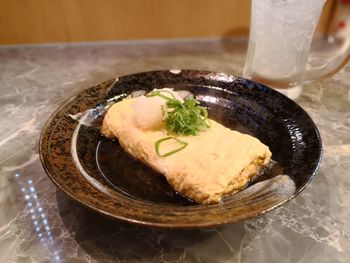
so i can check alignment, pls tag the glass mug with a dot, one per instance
(280, 37)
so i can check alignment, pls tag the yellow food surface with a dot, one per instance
(217, 162)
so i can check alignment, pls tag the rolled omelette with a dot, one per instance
(217, 162)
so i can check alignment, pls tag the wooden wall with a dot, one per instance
(45, 21)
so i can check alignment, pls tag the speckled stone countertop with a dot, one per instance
(35, 80)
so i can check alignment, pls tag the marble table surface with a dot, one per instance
(35, 80)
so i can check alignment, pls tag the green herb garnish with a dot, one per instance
(157, 144)
(181, 118)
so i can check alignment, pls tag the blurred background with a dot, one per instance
(52, 21)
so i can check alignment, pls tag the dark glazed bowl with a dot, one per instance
(97, 172)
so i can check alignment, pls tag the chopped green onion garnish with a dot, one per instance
(181, 118)
(157, 145)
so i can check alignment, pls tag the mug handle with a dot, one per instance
(314, 73)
